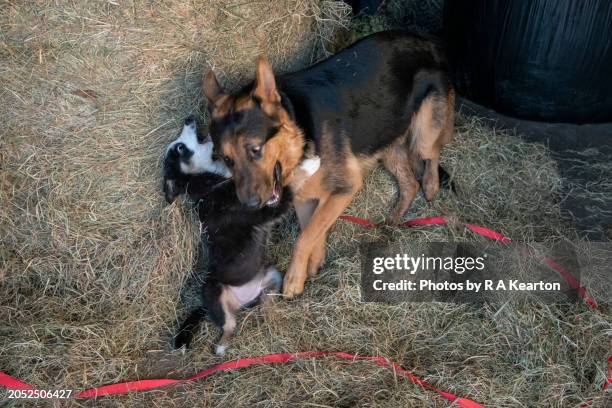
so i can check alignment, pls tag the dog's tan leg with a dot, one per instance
(397, 161)
(317, 258)
(431, 178)
(432, 128)
(313, 236)
(323, 218)
(304, 211)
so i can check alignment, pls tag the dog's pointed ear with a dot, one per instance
(212, 89)
(265, 83)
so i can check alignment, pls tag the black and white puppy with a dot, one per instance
(237, 276)
(191, 156)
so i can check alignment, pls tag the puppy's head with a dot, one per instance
(187, 156)
(255, 136)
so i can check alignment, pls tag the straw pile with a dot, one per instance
(93, 264)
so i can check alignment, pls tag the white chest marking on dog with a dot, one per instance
(310, 166)
(304, 171)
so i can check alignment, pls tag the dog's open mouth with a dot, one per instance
(277, 188)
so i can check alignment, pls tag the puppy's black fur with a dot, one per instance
(236, 242)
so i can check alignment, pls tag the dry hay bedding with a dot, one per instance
(92, 263)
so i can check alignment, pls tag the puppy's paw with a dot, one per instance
(220, 349)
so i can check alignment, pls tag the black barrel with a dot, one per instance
(548, 60)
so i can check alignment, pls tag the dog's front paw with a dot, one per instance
(293, 285)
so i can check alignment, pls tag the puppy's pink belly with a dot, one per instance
(248, 292)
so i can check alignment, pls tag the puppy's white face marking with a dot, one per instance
(201, 160)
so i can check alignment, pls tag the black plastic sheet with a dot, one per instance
(547, 60)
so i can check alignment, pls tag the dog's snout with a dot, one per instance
(253, 201)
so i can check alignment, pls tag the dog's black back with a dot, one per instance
(367, 89)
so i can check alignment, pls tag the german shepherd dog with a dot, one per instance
(237, 276)
(387, 97)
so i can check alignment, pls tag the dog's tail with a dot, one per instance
(187, 330)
